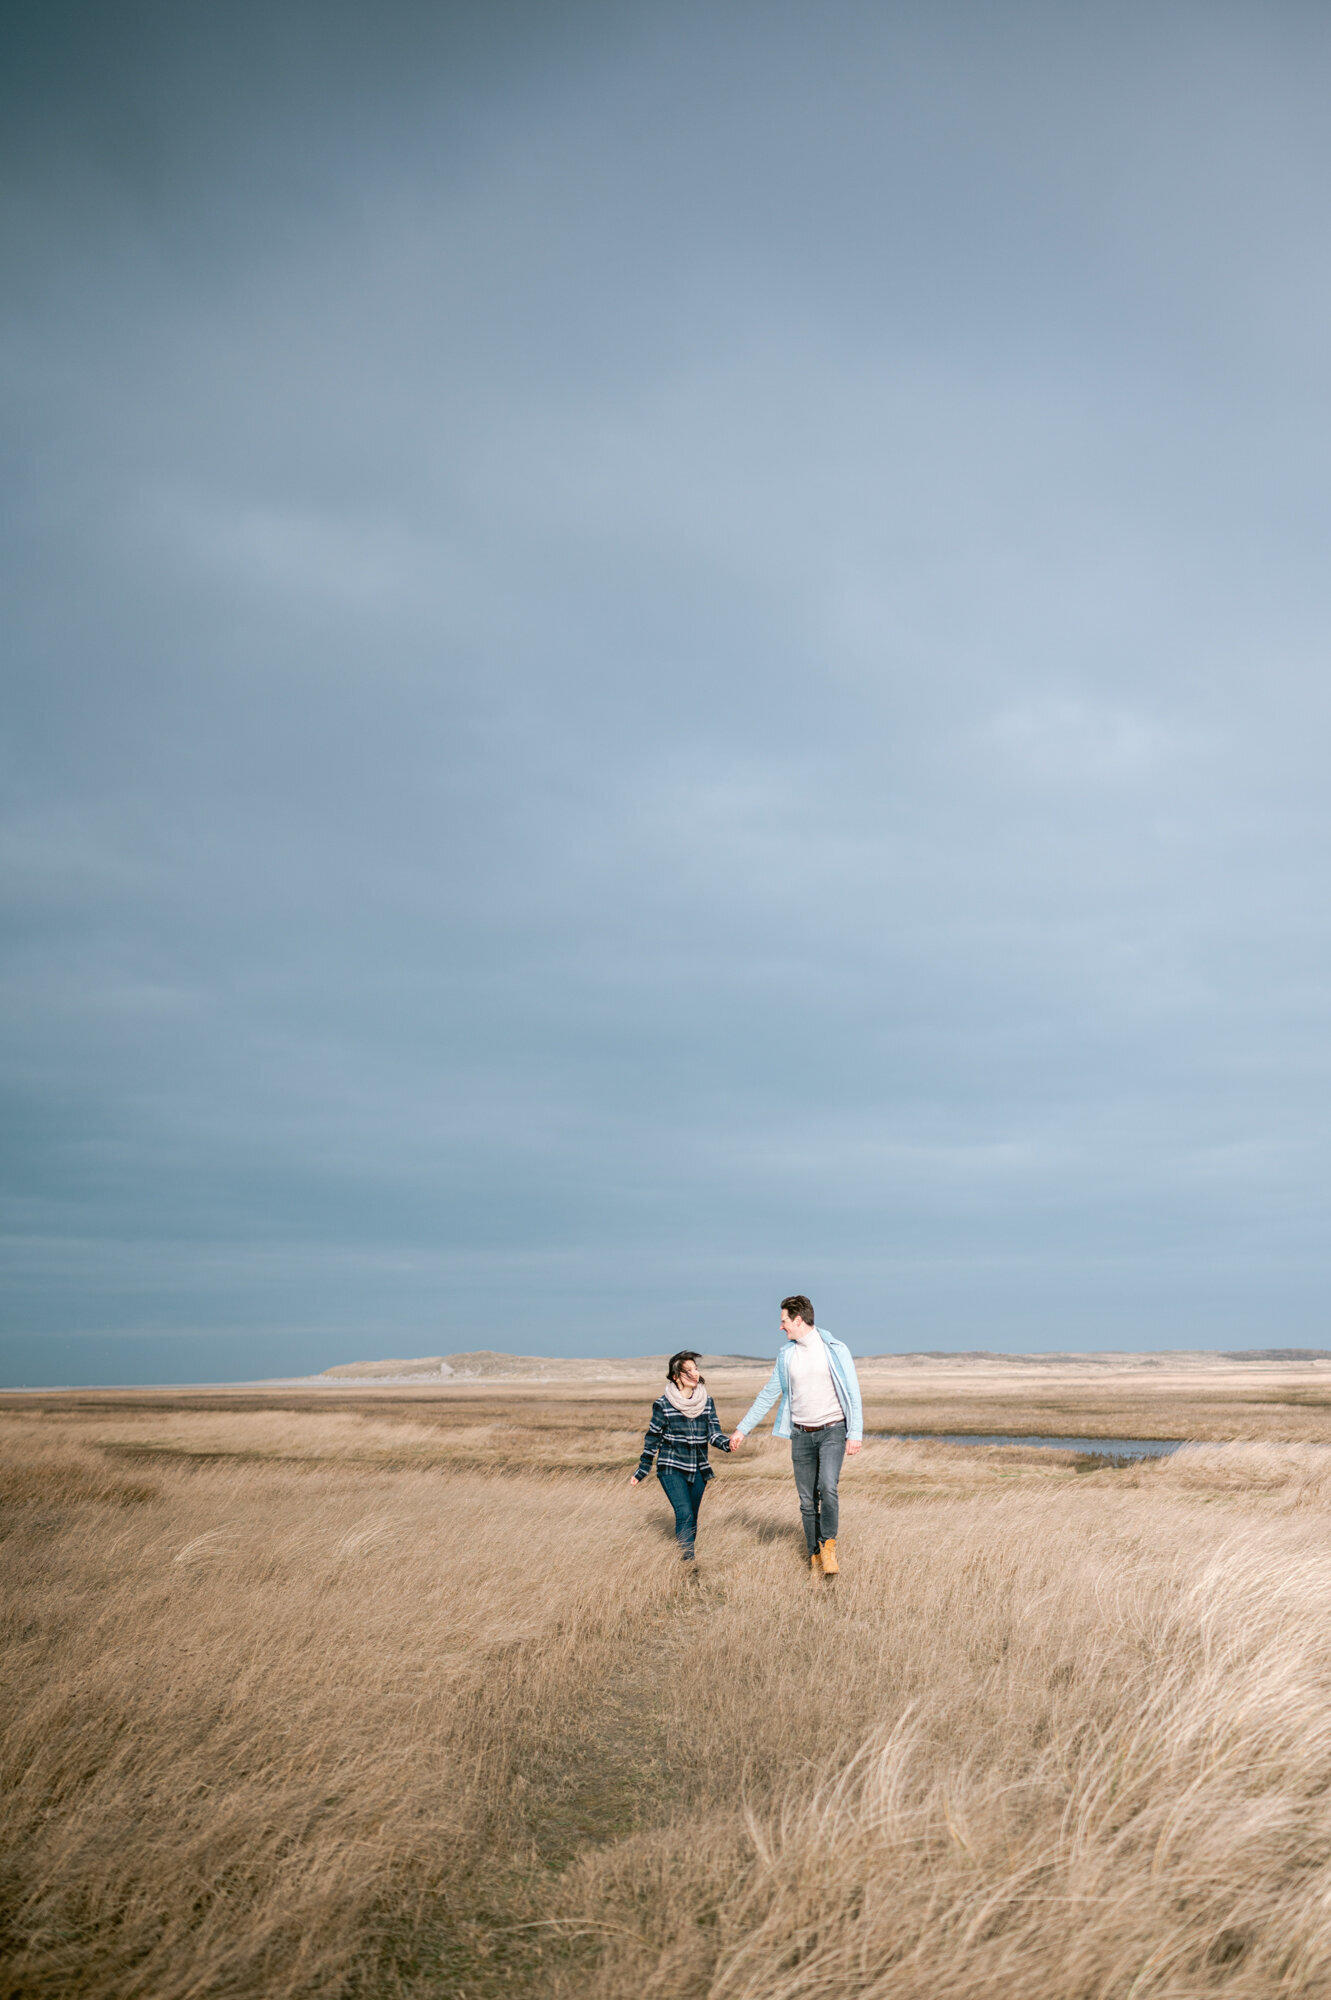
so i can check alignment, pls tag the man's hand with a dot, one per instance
(736, 1440)
(856, 1444)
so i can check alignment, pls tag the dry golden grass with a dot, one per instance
(1281, 1402)
(394, 1697)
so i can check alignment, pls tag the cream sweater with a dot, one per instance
(813, 1396)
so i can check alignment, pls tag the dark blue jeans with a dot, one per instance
(684, 1491)
(816, 1457)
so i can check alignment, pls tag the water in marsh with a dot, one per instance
(1120, 1449)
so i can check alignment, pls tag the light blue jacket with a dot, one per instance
(842, 1365)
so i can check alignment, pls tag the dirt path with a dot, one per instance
(603, 1770)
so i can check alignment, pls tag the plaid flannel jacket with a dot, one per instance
(679, 1443)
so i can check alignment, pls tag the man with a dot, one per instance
(820, 1413)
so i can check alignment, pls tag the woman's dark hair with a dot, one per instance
(798, 1307)
(676, 1362)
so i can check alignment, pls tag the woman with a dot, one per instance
(684, 1423)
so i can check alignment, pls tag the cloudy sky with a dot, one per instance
(659, 654)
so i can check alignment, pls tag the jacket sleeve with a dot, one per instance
(855, 1428)
(716, 1437)
(762, 1402)
(654, 1433)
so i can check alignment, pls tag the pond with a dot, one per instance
(1122, 1450)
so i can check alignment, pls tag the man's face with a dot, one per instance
(794, 1329)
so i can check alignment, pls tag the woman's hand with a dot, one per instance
(636, 1479)
(736, 1440)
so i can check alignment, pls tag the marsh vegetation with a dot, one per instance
(406, 1695)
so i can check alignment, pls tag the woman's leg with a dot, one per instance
(678, 1491)
(697, 1487)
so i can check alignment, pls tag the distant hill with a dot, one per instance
(1278, 1354)
(1171, 1358)
(483, 1363)
(487, 1365)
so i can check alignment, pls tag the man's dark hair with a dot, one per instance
(676, 1362)
(798, 1307)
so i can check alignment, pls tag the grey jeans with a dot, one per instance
(816, 1457)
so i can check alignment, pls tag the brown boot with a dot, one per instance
(828, 1553)
(816, 1563)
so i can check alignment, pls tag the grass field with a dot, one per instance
(377, 1693)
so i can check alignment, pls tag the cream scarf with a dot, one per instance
(689, 1406)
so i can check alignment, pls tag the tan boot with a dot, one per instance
(816, 1563)
(828, 1553)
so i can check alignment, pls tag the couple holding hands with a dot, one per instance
(819, 1412)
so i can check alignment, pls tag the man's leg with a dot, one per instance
(831, 1456)
(804, 1463)
(678, 1489)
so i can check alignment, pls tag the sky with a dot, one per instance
(656, 656)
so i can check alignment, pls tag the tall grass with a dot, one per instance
(318, 1723)
(1100, 1765)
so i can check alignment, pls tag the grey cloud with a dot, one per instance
(665, 658)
